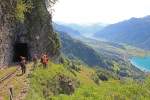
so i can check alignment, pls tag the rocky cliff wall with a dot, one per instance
(7, 30)
(36, 31)
(40, 31)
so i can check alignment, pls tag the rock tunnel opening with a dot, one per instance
(20, 49)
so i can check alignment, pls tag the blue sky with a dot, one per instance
(99, 11)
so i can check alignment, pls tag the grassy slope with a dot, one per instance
(97, 53)
(88, 89)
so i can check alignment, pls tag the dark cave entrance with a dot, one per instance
(20, 49)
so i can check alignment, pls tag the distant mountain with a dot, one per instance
(66, 29)
(79, 29)
(135, 31)
(87, 30)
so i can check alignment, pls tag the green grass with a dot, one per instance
(126, 89)
(41, 76)
(111, 90)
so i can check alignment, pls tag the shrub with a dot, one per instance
(124, 73)
(60, 84)
(75, 67)
(22, 7)
(103, 77)
(95, 78)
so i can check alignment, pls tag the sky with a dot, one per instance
(99, 11)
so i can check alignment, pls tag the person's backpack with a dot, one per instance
(42, 60)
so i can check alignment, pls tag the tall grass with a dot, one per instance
(88, 89)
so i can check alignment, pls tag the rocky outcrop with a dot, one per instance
(7, 30)
(36, 31)
(40, 31)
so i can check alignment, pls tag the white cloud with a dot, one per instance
(105, 11)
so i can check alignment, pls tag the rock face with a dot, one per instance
(39, 25)
(35, 35)
(7, 30)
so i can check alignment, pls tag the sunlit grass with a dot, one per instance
(88, 89)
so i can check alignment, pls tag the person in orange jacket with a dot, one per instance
(44, 60)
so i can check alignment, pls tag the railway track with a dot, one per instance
(8, 76)
(13, 80)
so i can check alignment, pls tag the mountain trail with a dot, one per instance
(18, 83)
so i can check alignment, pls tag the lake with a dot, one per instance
(142, 63)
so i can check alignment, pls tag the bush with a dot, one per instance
(75, 67)
(124, 73)
(106, 74)
(103, 77)
(95, 78)
(70, 65)
(22, 7)
(60, 84)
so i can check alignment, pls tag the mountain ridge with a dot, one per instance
(86, 30)
(134, 31)
(63, 28)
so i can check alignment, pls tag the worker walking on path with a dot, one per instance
(35, 61)
(23, 64)
(44, 60)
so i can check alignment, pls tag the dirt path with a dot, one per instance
(25, 88)
(8, 76)
(19, 83)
